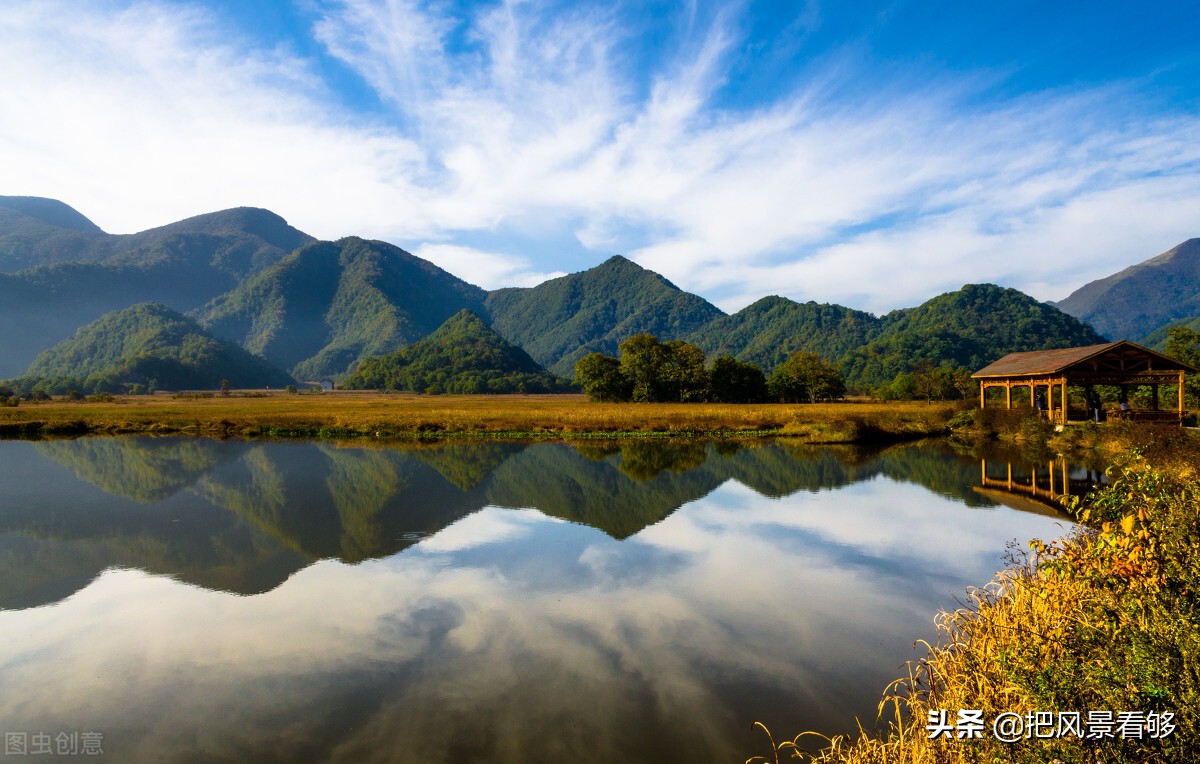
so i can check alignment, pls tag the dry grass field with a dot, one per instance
(354, 414)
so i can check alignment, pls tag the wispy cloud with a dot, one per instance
(517, 121)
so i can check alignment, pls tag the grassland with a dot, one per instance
(371, 415)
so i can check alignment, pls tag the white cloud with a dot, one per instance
(489, 270)
(532, 119)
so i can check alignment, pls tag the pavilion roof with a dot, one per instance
(1054, 361)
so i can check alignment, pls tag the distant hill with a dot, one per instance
(148, 344)
(970, 327)
(183, 265)
(769, 331)
(36, 231)
(564, 319)
(463, 356)
(1135, 302)
(325, 307)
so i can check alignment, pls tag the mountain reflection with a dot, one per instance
(242, 517)
(623, 601)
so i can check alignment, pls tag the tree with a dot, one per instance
(683, 377)
(1183, 344)
(731, 381)
(806, 378)
(642, 359)
(600, 377)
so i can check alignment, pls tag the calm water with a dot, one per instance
(196, 600)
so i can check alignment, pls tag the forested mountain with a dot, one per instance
(564, 319)
(152, 346)
(325, 307)
(769, 331)
(183, 265)
(971, 327)
(319, 308)
(1132, 304)
(463, 356)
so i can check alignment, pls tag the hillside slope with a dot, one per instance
(464, 355)
(325, 307)
(1133, 303)
(150, 345)
(970, 327)
(770, 330)
(183, 265)
(562, 320)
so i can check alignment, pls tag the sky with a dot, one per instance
(867, 154)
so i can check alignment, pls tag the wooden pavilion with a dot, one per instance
(1123, 364)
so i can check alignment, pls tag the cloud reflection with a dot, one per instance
(510, 636)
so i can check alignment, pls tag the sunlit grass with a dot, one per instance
(381, 415)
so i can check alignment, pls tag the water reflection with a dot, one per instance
(502, 601)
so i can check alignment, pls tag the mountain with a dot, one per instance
(148, 344)
(182, 265)
(325, 307)
(1135, 302)
(564, 319)
(37, 231)
(769, 331)
(971, 327)
(463, 356)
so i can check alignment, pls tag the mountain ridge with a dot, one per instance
(1136, 301)
(320, 308)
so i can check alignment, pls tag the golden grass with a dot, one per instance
(345, 413)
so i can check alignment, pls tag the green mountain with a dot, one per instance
(84, 274)
(769, 331)
(325, 307)
(144, 343)
(564, 319)
(463, 356)
(1132, 304)
(971, 327)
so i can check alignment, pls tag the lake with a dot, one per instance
(197, 600)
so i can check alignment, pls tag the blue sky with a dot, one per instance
(872, 155)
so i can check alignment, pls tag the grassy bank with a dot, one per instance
(368, 415)
(1106, 620)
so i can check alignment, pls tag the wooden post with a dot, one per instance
(1008, 395)
(982, 395)
(1010, 476)
(1032, 390)
(1064, 400)
(1050, 469)
(1181, 396)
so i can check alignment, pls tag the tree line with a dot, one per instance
(648, 371)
